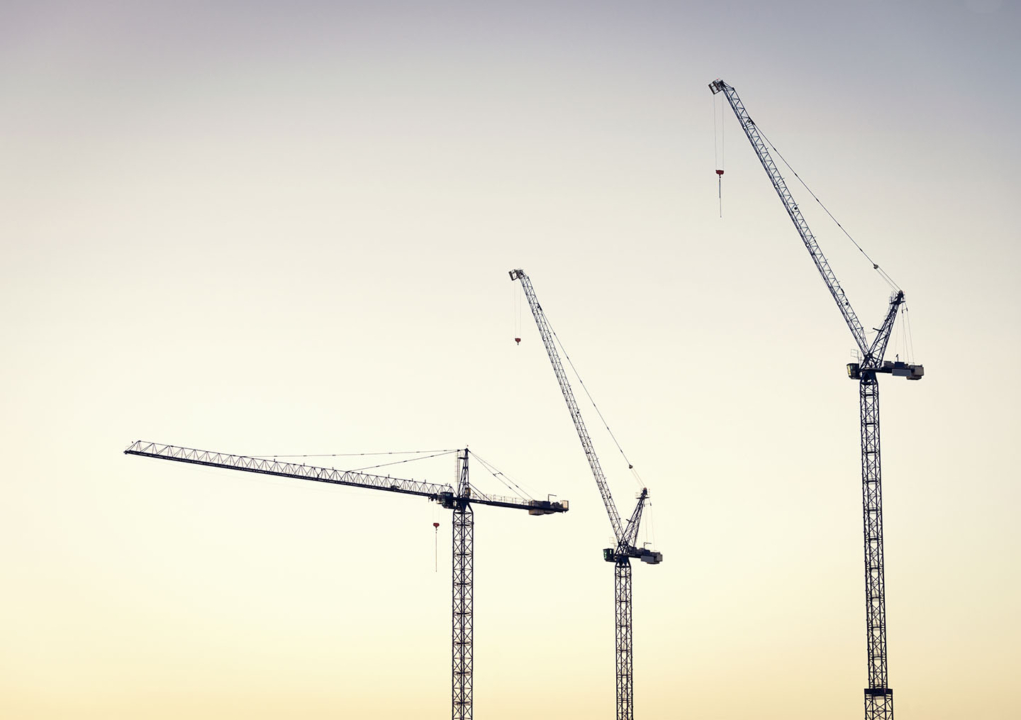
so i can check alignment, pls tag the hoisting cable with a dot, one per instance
(363, 454)
(581, 382)
(900, 339)
(401, 462)
(909, 343)
(503, 478)
(516, 293)
(650, 523)
(875, 266)
(718, 147)
(436, 547)
(435, 453)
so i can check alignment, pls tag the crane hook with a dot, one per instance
(719, 179)
(436, 550)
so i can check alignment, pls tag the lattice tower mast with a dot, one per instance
(626, 535)
(459, 499)
(878, 694)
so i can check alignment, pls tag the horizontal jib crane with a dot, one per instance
(459, 499)
(445, 495)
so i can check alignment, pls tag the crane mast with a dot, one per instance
(626, 534)
(462, 621)
(459, 499)
(878, 694)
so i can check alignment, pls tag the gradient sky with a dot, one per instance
(286, 228)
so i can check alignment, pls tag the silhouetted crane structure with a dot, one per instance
(878, 694)
(459, 499)
(626, 535)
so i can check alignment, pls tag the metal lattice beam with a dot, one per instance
(443, 494)
(458, 500)
(299, 471)
(462, 620)
(878, 695)
(793, 211)
(625, 657)
(546, 332)
(626, 535)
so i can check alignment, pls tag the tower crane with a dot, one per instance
(878, 694)
(625, 534)
(459, 499)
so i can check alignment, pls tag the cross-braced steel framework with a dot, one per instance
(878, 695)
(626, 535)
(459, 500)
(463, 584)
(625, 663)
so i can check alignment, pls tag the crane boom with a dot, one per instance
(878, 694)
(459, 500)
(572, 405)
(443, 494)
(821, 263)
(626, 535)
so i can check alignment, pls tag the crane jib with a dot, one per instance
(878, 696)
(872, 353)
(780, 185)
(572, 406)
(446, 495)
(458, 500)
(626, 535)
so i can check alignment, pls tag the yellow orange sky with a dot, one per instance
(287, 229)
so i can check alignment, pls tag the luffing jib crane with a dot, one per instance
(459, 499)
(878, 694)
(626, 535)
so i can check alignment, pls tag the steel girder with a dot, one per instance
(625, 656)
(878, 695)
(462, 620)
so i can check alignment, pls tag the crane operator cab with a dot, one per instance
(894, 367)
